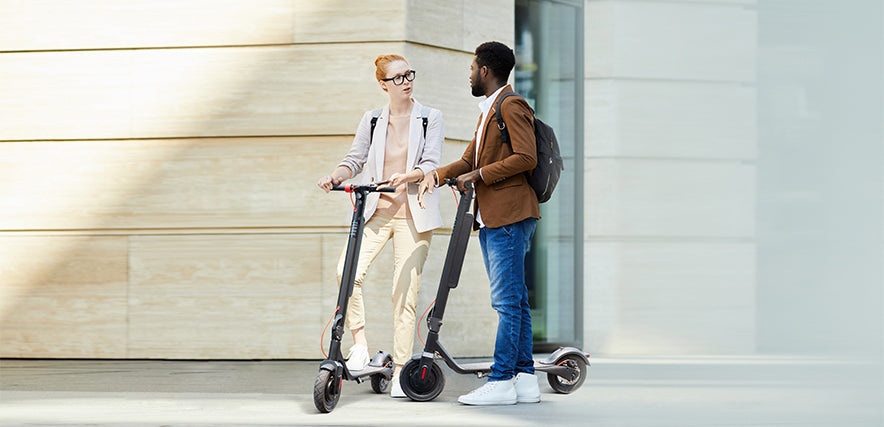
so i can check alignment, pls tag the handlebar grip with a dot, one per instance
(387, 190)
(339, 188)
(453, 182)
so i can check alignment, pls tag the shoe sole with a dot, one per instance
(495, 403)
(537, 400)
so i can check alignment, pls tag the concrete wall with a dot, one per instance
(670, 180)
(158, 165)
(734, 177)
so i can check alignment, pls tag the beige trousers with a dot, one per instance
(410, 250)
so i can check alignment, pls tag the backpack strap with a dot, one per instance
(504, 133)
(425, 115)
(374, 122)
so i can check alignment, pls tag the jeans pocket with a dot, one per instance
(508, 229)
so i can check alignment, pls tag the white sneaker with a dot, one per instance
(358, 358)
(396, 388)
(492, 393)
(526, 387)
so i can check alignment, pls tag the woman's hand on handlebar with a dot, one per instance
(328, 181)
(397, 179)
(426, 186)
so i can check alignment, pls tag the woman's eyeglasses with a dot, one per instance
(398, 80)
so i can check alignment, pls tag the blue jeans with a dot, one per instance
(504, 250)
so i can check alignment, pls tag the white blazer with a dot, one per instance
(423, 154)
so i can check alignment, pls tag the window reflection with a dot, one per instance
(548, 75)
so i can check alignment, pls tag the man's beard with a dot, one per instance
(478, 89)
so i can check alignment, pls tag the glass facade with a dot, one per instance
(549, 75)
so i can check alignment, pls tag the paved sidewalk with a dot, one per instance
(715, 391)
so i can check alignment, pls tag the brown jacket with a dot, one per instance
(503, 195)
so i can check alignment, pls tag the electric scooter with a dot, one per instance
(422, 378)
(332, 371)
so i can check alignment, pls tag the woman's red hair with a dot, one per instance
(383, 64)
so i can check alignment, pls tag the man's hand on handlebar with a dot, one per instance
(472, 177)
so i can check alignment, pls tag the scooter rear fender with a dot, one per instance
(378, 359)
(562, 352)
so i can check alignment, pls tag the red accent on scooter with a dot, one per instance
(424, 373)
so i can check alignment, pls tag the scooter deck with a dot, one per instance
(372, 370)
(539, 365)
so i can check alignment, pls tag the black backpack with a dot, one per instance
(549, 160)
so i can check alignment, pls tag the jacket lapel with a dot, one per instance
(415, 132)
(379, 145)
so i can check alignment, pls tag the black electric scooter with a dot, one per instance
(422, 378)
(332, 371)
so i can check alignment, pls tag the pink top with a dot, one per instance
(395, 205)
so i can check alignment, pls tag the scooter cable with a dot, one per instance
(322, 337)
(419, 335)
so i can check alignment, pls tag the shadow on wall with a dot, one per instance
(178, 216)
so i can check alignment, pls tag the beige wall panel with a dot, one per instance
(651, 198)
(669, 298)
(202, 183)
(294, 90)
(240, 296)
(69, 95)
(438, 23)
(443, 82)
(100, 24)
(349, 21)
(169, 183)
(469, 307)
(673, 120)
(460, 24)
(62, 296)
(488, 20)
(301, 90)
(670, 40)
(189, 92)
(247, 91)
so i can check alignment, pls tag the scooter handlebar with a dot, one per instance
(453, 183)
(369, 188)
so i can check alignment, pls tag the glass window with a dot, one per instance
(549, 75)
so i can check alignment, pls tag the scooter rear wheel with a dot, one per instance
(567, 385)
(326, 391)
(379, 382)
(421, 386)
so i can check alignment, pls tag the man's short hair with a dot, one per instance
(498, 58)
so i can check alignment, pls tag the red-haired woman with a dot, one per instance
(402, 151)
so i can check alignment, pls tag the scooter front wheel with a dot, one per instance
(420, 384)
(326, 391)
(572, 382)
